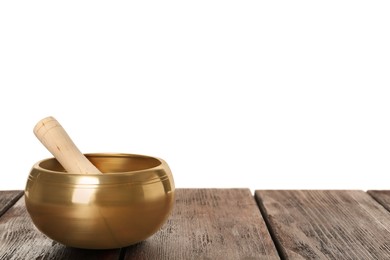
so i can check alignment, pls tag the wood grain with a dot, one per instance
(8, 198)
(210, 224)
(326, 224)
(382, 197)
(19, 239)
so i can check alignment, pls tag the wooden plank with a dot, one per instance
(210, 224)
(381, 196)
(326, 224)
(8, 198)
(19, 239)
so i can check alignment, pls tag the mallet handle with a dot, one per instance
(54, 137)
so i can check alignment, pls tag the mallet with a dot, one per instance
(54, 137)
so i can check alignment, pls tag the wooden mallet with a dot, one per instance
(54, 137)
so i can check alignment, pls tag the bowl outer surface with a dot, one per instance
(112, 210)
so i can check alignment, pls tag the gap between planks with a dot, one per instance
(8, 199)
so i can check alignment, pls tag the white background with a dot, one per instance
(257, 94)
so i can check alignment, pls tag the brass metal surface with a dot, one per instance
(123, 206)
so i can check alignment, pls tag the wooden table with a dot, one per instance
(232, 224)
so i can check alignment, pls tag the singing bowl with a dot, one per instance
(126, 204)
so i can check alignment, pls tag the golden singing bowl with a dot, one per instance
(123, 206)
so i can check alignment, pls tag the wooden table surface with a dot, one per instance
(232, 224)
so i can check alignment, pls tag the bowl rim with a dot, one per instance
(161, 165)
